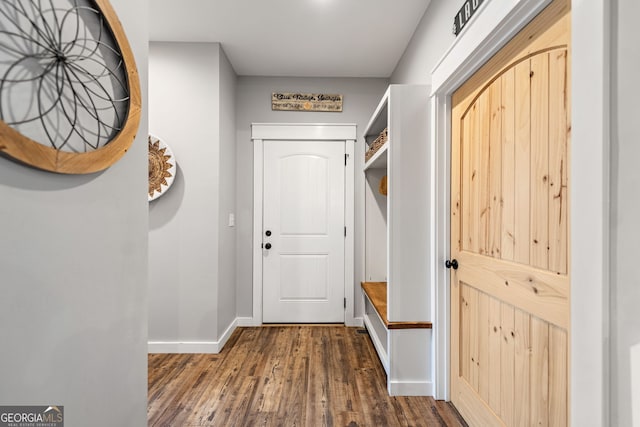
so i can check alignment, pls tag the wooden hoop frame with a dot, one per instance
(25, 150)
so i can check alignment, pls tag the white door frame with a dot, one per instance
(495, 23)
(261, 132)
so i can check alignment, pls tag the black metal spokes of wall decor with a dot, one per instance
(65, 79)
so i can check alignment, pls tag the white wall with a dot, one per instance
(188, 238)
(361, 96)
(73, 256)
(625, 211)
(227, 180)
(429, 43)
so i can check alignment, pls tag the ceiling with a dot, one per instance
(295, 38)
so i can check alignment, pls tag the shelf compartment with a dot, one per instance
(376, 144)
(379, 159)
(378, 121)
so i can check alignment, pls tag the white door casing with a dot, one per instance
(303, 232)
(262, 134)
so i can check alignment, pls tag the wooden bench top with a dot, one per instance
(376, 292)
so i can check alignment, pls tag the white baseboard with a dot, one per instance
(356, 322)
(248, 321)
(635, 385)
(377, 343)
(227, 334)
(212, 347)
(406, 388)
(189, 347)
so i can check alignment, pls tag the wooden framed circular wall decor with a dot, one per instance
(162, 167)
(69, 88)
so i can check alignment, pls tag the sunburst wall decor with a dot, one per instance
(162, 167)
(69, 89)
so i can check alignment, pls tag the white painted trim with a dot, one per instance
(440, 220)
(498, 23)
(410, 388)
(319, 131)
(358, 322)
(349, 241)
(346, 132)
(590, 187)
(492, 26)
(258, 153)
(362, 233)
(377, 344)
(247, 322)
(188, 347)
(227, 334)
(635, 384)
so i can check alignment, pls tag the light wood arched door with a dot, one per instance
(510, 296)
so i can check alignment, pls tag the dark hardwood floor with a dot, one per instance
(300, 375)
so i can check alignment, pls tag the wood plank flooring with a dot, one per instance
(289, 375)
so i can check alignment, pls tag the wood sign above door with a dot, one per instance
(288, 101)
(464, 14)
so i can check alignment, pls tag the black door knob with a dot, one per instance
(268, 233)
(451, 264)
(267, 246)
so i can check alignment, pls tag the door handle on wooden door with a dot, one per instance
(451, 264)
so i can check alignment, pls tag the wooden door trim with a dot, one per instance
(261, 132)
(491, 28)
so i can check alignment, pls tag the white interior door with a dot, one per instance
(303, 231)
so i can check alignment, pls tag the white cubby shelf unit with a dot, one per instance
(397, 242)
